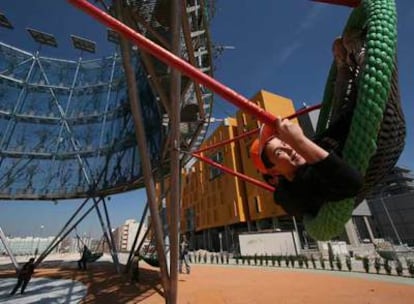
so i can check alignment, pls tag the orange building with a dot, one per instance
(216, 198)
(260, 201)
(217, 205)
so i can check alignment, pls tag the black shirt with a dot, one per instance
(330, 179)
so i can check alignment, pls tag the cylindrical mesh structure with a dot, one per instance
(66, 128)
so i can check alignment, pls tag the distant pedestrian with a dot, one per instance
(183, 257)
(86, 253)
(24, 276)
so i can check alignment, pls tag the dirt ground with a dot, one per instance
(209, 284)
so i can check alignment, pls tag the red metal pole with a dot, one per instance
(304, 111)
(176, 62)
(224, 142)
(254, 131)
(239, 175)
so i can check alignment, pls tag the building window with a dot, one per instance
(244, 119)
(257, 204)
(214, 172)
(235, 208)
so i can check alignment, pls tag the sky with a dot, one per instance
(280, 46)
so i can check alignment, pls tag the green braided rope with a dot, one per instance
(373, 90)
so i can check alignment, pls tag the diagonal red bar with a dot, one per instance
(234, 173)
(225, 142)
(176, 62)
(254, 131)
(350, 3)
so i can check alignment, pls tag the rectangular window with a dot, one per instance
(244, 118)
(214, 172)
(235, 208)
(257, 204)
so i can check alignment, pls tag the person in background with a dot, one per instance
(86, 253)
(183, 256)
(24, 276)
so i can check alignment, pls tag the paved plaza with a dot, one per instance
(59, 281)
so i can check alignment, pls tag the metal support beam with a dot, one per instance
(51, 248)
(65, 124)
(11, 124)
(139, 19)
(178, 63)
(134, 244)
(149, 67)
(8, 250)
(175, 96)
(43, 254)
(111, 236)
(107, 100)
(164, 217)
(191, 58)
(105, 234)
(143, 150)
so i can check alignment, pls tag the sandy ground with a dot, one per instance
(229, 284)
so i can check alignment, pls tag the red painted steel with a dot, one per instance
(170, 59)
(176, 62)
(254, 131)
(234, 173)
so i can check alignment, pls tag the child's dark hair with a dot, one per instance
(266, 161)
(272, 180)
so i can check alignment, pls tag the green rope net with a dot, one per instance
(380, 19)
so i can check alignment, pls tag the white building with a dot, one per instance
(127, 233)
(28, 245)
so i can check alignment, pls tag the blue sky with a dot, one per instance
(280, 46)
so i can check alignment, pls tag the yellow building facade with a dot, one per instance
(212, 198)
(260, 201)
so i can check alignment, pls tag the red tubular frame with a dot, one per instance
(186, 68)
(254, 131)
(176, 62)
(234, 173)
(249, 133)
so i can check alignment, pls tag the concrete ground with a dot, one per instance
(62, 283)
(43, 290)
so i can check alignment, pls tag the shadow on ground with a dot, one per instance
(104, 284)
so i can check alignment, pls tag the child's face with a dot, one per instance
(284, 158)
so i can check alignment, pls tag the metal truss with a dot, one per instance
(98, 124)
(64, 123)
(71, 225)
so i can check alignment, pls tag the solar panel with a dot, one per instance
(4, 22)
(42, 37)
(83, 44)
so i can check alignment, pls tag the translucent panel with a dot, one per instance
(66, 126)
